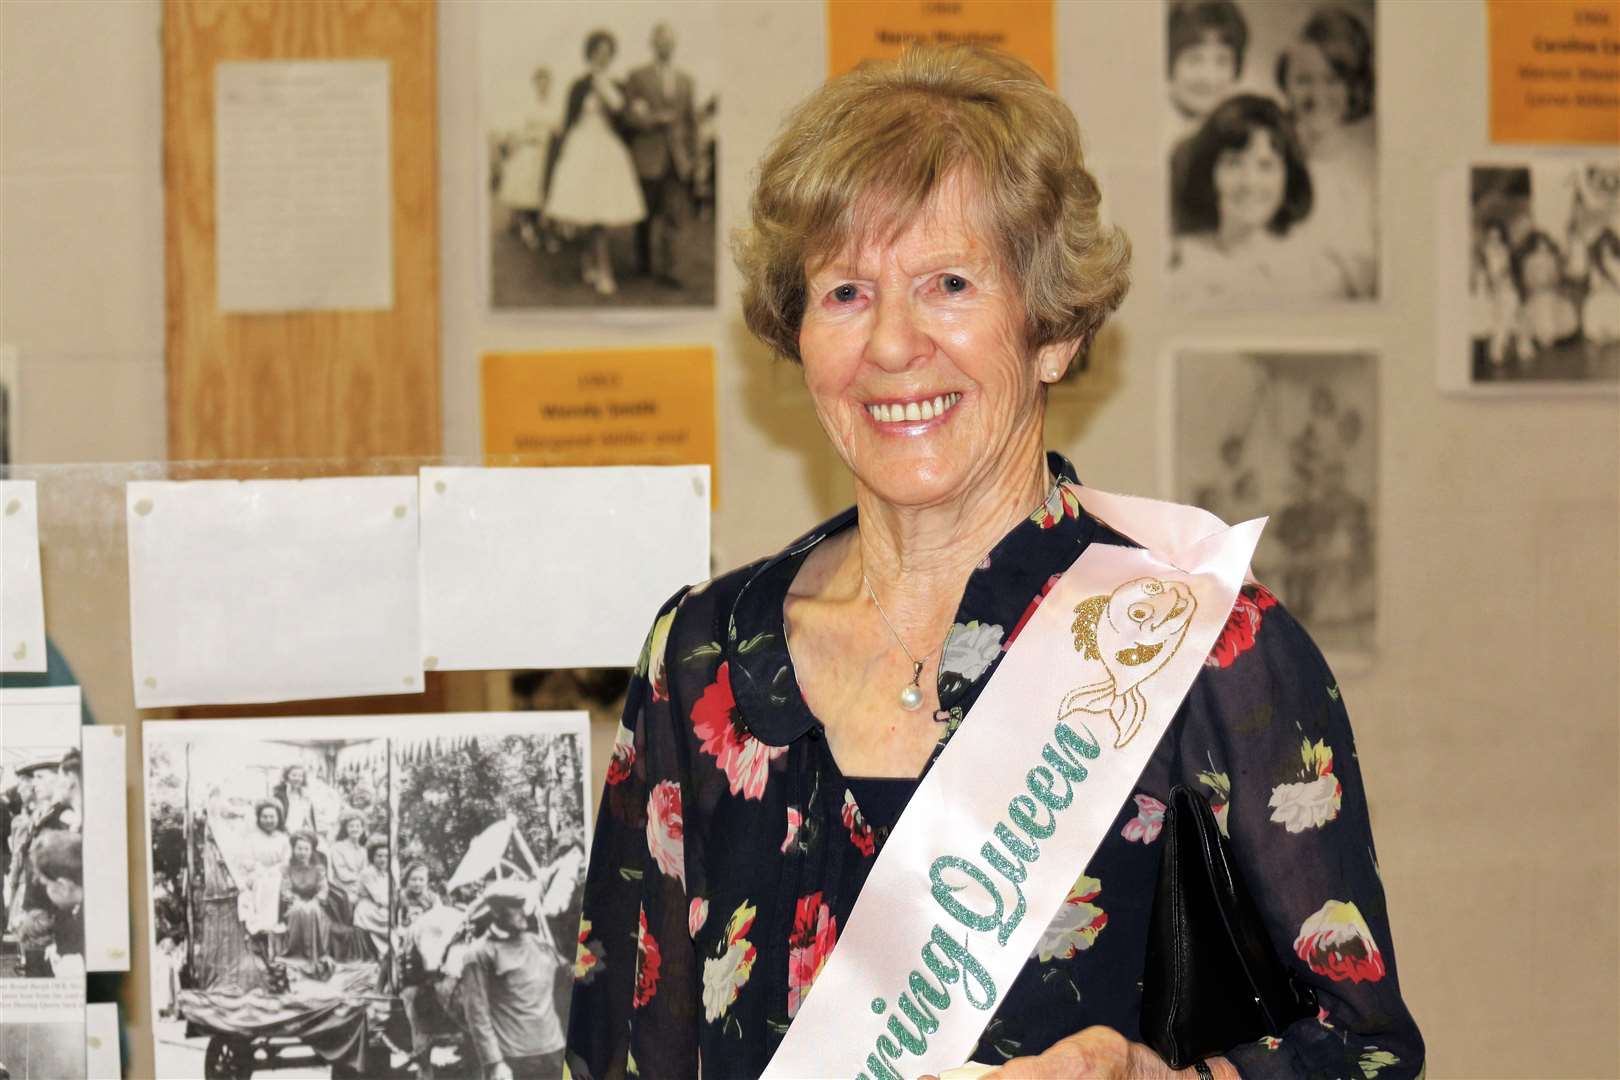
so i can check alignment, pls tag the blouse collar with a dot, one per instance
(999, 594)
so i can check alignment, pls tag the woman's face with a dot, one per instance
(1318, 97)
(379, 859)
(915, 360)
(1202, 75)
(353, 830)
(302, 851)
(360, 797)
(600, 56)
(268, 819)
(1249, 183)
(416, 881)
(295, 778)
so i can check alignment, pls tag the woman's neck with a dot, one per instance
(1231, 238)
(919, 559)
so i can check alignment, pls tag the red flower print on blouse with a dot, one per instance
(745, 760)
(1029, 611)
(1145, 827)
(666, 830)
(860, 833)
(1337, 943)
(647, 961)
(815, 932)
(624, 756)
(1237, 637)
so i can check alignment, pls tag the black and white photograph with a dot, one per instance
(42, 1051)
(1543, 272)
(42, 856)
(1291, 434)
(374, 899)
(9, 404)
(1272, 153)
(600, 126)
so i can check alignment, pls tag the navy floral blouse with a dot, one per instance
(730, 849)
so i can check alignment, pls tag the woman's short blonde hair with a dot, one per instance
(861, 156)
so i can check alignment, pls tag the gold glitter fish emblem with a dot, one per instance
(1133, 632)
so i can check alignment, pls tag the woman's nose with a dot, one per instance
(896, 341)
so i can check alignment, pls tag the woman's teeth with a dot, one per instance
(901, 412)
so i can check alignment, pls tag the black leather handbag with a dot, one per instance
(1212, 979)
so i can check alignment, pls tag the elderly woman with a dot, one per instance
(925, 242)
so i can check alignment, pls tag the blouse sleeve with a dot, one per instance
(636, 988)
(1269, 742)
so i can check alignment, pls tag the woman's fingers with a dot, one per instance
(1097, 1053)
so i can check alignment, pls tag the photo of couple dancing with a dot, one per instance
(603, 190)
(398, 907)
(1272, 153)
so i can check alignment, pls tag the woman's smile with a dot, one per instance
(911, 410)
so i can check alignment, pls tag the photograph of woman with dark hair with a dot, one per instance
(1247, 189)
(304, 891)
(594, 186)
(1207, 40)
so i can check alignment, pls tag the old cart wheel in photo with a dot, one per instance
(228, 1058)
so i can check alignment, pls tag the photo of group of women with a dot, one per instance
(1544, 273)
(1272, 144)
(342, 900)
(600, 122)
(1291, 435)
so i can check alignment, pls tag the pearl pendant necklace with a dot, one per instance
(911, 698)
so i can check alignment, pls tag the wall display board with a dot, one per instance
(22, 595)
(295, 875)
(1554, 70)
(272, 590)
(1271, 144)
(550, 568)
(1528, 265)
(1291, 433)
(310, 383)
(600, 407)
(42, 967)
(858, 30)
(599, 135)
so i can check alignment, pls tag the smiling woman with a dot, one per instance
(924, 240)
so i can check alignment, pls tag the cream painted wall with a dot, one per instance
(1489, 725)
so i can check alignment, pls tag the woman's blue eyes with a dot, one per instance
(949, 283)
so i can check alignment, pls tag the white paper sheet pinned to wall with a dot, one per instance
(102, 1056)
(106, 847)
(22, 598)
(302, 185)
(549, 568)
(272, 590)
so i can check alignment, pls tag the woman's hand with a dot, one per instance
(1098, 1053)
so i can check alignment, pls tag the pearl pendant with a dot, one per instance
(911, 698)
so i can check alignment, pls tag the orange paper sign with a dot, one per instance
(600, 407)
(1555, 71)
(866, 30)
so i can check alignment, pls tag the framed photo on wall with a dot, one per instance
(1290, 434)
(1529, 276)
(599, 137)
(1271, 153)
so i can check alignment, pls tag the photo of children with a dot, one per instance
(1544, 273)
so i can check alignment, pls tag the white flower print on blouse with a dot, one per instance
(970, 648)
(666, 840)
(1313, 802)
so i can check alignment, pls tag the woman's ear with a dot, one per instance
(1053, 359)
